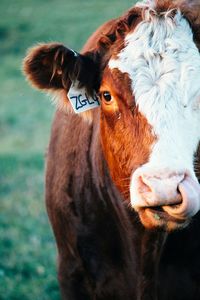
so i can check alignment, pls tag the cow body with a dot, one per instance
(103, 248)
(93, 243)
(117, 186)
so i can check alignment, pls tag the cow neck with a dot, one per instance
(149, 246)
(152, 244)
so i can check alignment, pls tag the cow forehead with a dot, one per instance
(162, 62)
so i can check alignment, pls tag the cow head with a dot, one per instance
(146, 71)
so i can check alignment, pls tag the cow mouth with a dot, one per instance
(160, 214)
(170, 213)
(157, 217)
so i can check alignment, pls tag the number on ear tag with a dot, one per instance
(80, 100)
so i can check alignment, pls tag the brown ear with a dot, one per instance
(53, 66)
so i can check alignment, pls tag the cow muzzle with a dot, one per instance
(167, 199)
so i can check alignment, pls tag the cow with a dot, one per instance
(122, 190)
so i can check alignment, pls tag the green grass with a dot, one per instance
(27, 247)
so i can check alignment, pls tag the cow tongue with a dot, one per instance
(190, 192)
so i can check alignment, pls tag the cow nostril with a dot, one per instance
(143, 187)
(179, 192)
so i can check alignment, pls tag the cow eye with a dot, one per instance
(107, 96)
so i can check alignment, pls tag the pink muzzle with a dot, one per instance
(177, 193)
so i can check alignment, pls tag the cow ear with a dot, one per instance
(54, 67)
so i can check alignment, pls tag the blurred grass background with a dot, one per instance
(27, 247)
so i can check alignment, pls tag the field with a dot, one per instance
(27, 247)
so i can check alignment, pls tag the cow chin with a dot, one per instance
(167, 202)
(158, 219)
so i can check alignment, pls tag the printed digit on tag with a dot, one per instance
(80, 100)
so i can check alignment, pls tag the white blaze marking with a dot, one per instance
(163, 63)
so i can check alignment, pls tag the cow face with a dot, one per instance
(151, 117)
(146, 72)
